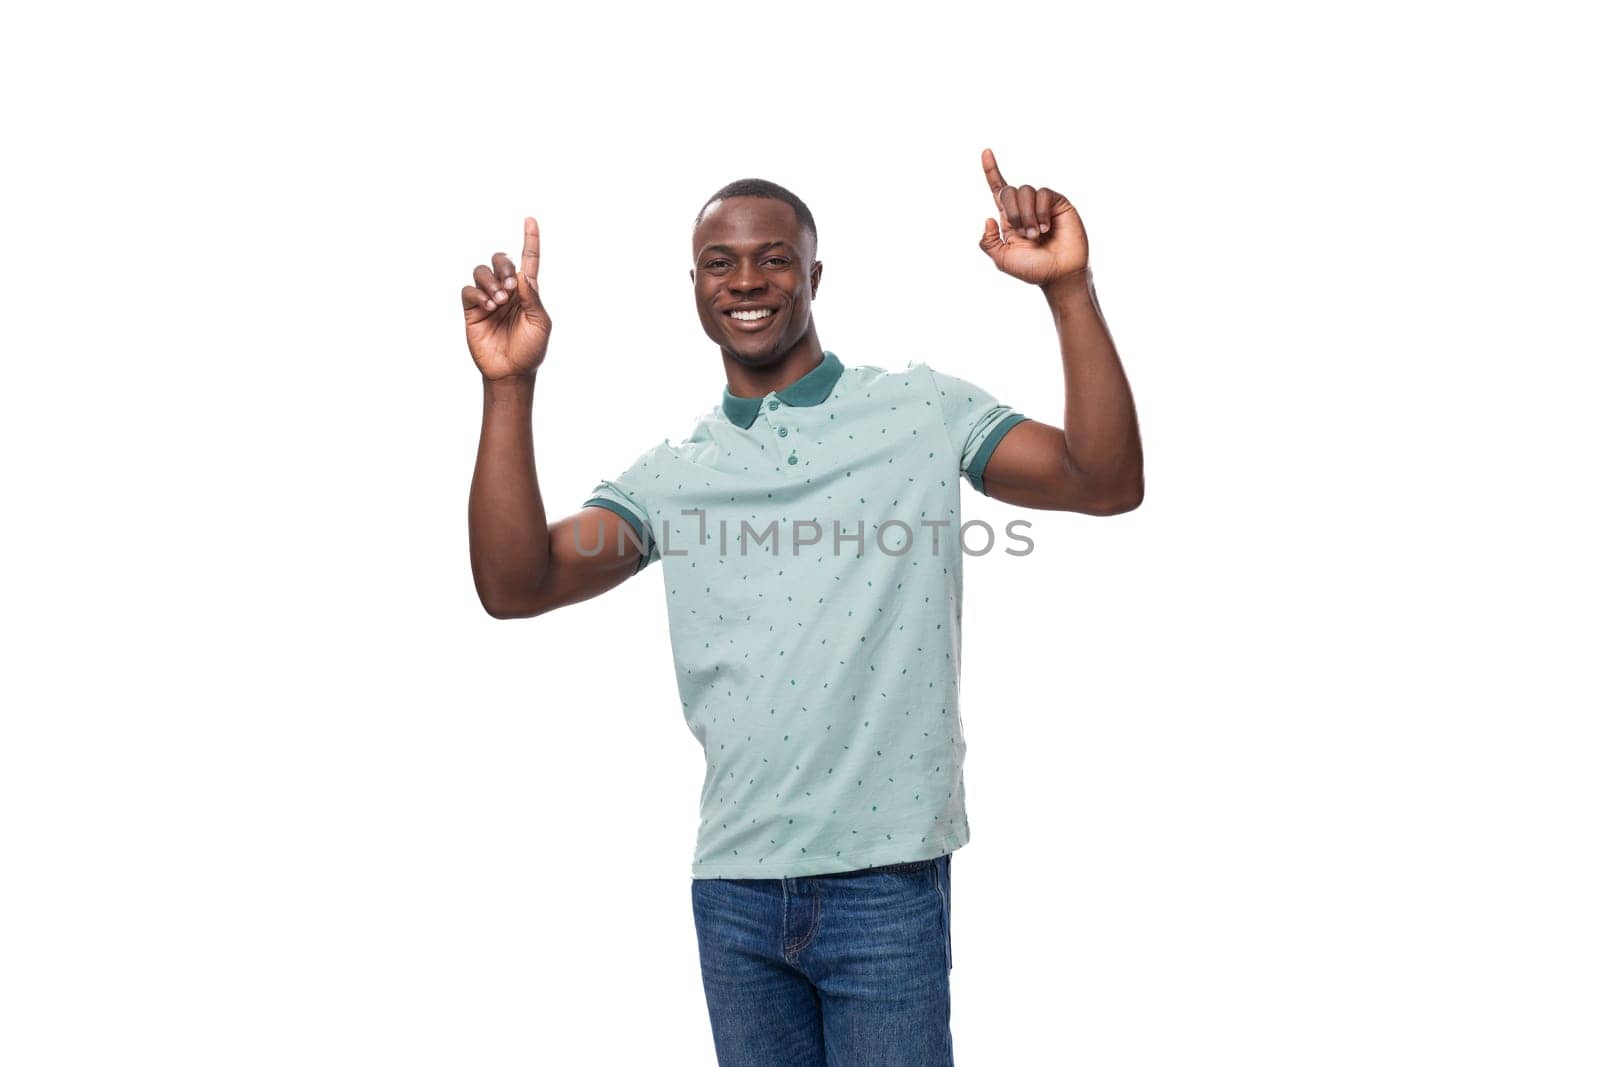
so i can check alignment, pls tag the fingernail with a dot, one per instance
(1044, 227)
(1032, 232)
(498, 295)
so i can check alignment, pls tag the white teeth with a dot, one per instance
(751, 316)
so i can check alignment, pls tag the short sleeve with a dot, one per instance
(627, 495)
(974, 422)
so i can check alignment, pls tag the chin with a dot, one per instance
(757, 357)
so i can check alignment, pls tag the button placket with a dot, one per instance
(782, 431)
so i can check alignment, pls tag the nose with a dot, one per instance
(746, 278)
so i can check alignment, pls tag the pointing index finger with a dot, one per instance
(530, 248)
(991, 171)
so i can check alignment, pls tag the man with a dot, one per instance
(809, 528)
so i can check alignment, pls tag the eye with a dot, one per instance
(717, 264)
(779, 260)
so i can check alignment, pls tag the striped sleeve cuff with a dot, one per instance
(641, 531)
(980, 459)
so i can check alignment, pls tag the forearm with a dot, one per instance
(1102, 431)
(510, 542)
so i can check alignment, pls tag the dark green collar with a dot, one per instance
(812, 388)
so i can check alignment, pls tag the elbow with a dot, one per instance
(511, 604)
(1118, 499)
(498, 609)
(513, 607)
(1123, 505)
(1131, 497)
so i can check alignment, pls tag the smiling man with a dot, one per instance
(819, 668)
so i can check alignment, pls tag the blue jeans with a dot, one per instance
(849, 969)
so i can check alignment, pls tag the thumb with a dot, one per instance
(990, 241)
(528, 293)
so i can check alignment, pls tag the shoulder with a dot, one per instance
(916, 374)
(955, 394)
(918, 378)
(683, 444)
(930, 377)
(643, 471)
(866, 378)
(701, 435)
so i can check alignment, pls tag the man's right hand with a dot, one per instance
(507, 327)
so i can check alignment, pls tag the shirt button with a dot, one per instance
(783, 431)
(772, 405)
(793, 459)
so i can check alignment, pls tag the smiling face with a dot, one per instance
(755, 274)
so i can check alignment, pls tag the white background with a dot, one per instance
(1293, 765)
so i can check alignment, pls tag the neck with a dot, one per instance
(781, 372)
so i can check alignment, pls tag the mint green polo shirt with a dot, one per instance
(809, 542)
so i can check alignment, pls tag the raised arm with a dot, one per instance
(520, 565)
(1095, 464)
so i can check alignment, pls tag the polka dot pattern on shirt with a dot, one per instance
(823, 685)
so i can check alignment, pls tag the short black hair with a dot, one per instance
(760, 187)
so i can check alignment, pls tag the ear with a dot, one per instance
(691, 275)
(816, 277)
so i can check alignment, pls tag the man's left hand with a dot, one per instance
(1039, 238)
